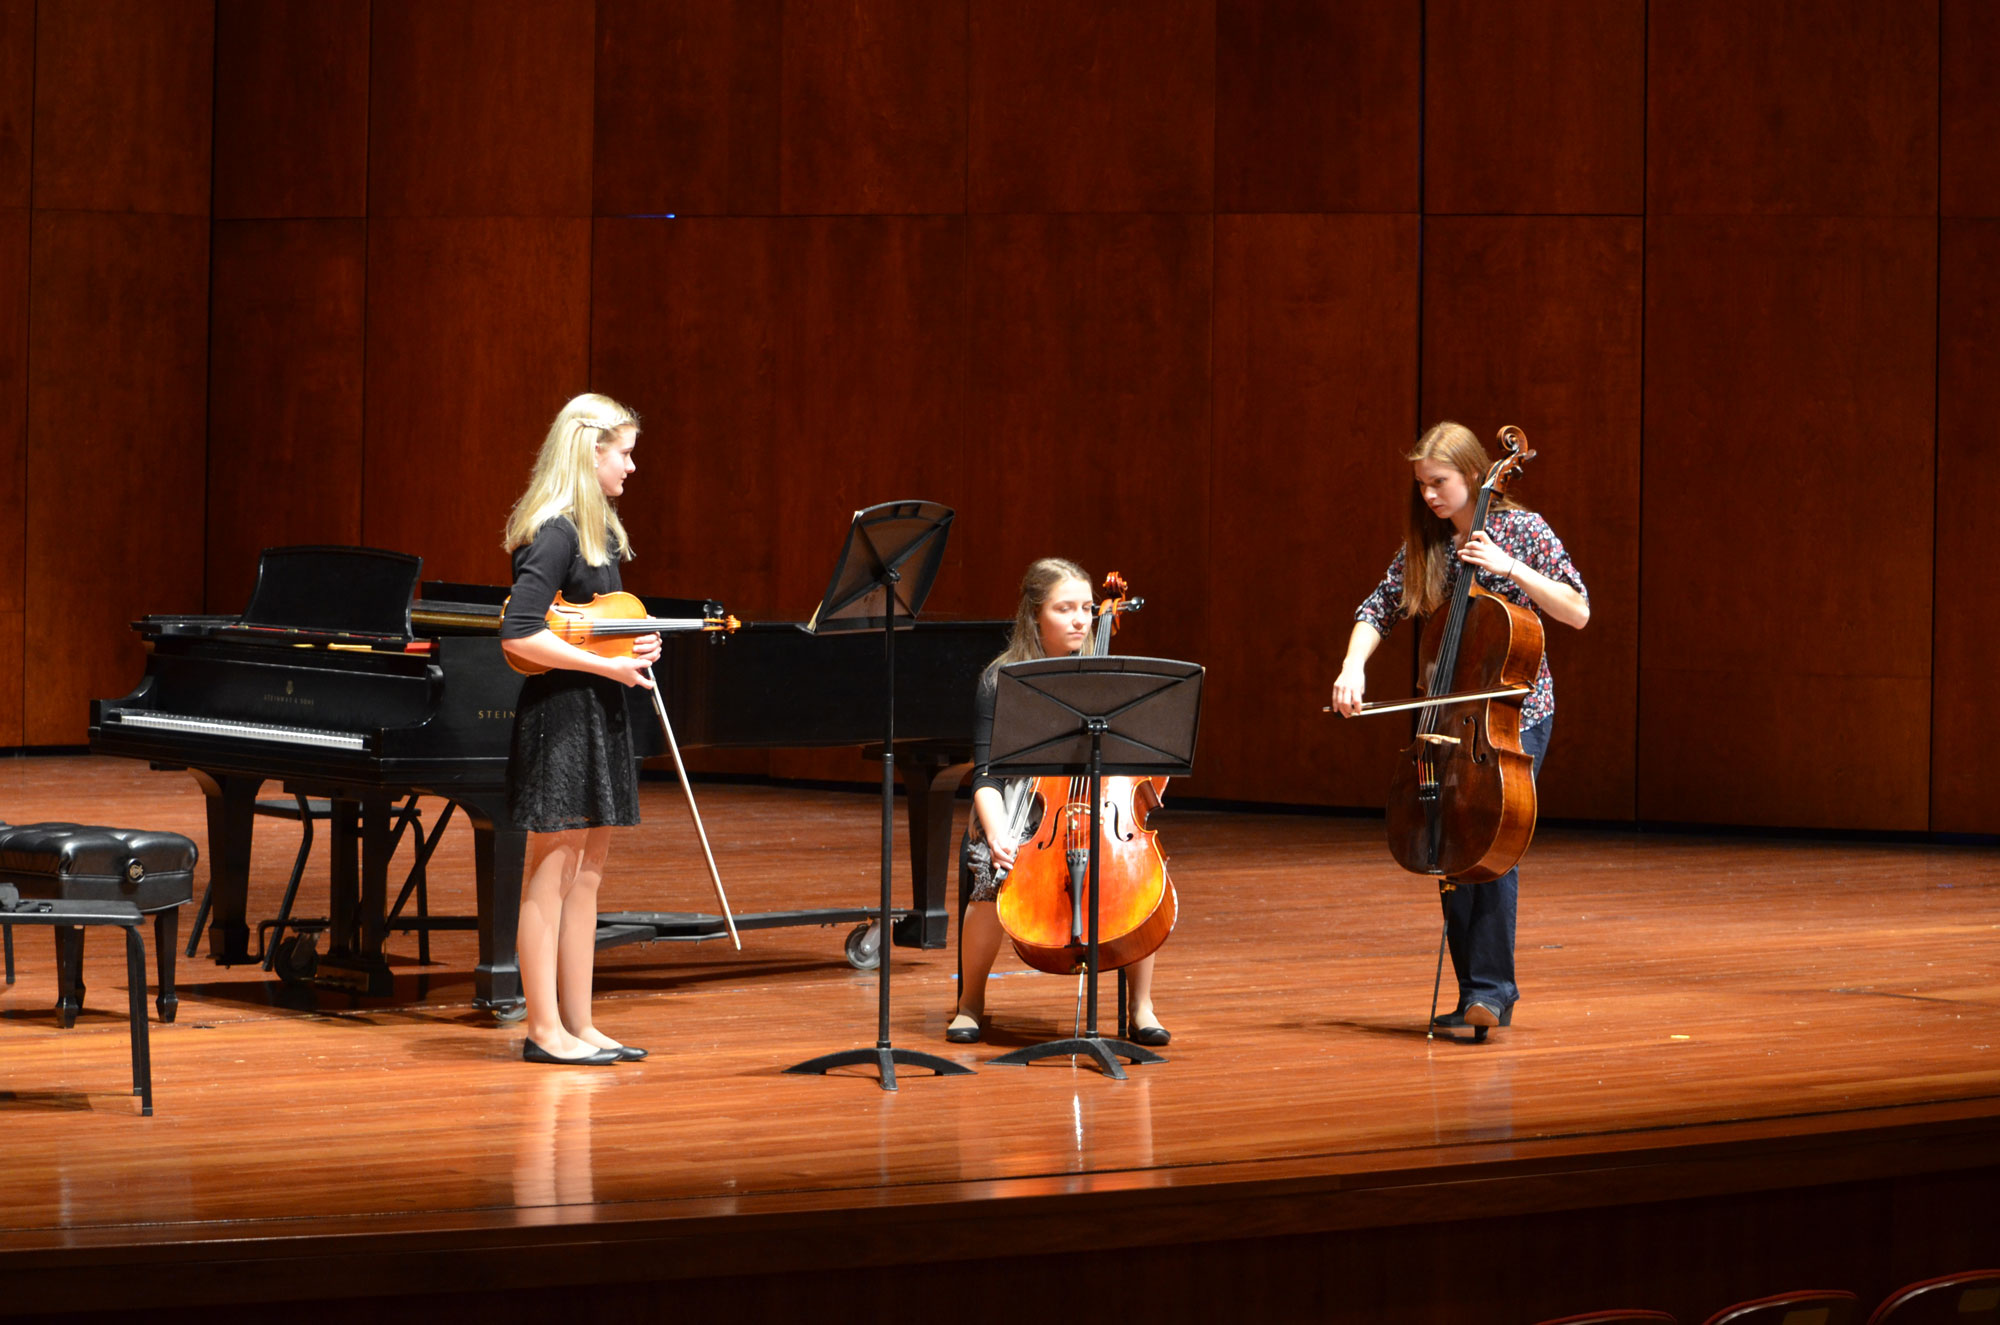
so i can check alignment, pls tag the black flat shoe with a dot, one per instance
(628, 1053)
(534, 1053)
(1474, 1016)
(1152, 1037)
(965, 1034)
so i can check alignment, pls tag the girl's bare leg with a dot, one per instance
(1139, 984)
(578, 949)
(552, 862)
(979, 940)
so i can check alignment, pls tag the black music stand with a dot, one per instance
(884, 574)
(1117, 716)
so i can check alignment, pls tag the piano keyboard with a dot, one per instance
(245, 731)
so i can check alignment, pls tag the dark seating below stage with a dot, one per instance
(1819, 1306)
(1968, 1298)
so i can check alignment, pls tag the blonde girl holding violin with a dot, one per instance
(1052, 620)
(571, 774)
(1518, 557)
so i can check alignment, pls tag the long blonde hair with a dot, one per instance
(564, 481)
(1427, 539)
(1025, 641)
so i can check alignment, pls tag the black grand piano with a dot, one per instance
(339, 682)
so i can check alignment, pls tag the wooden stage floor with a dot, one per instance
(1734, 1038)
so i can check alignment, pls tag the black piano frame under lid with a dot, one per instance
(365, 786)
(765, 714)
(231, 775)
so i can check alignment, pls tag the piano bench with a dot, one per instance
(63, 862)
(68, 919)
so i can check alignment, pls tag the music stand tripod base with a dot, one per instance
(1106, 1050)
(884, 1057)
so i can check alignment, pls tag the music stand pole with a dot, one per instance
(885, 1055)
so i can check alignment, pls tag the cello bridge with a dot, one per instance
(1437, 738)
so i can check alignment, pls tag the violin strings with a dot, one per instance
(643, 626)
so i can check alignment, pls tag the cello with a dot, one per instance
(1046, 898)
(1462, 798)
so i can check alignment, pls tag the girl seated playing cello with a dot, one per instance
(1052, 620)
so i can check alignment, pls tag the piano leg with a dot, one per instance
(358, 916)
(498, 854)
(931, 791)
(232, 804)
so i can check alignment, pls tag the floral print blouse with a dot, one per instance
(1520, 534)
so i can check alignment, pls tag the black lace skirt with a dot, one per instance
(571, 763)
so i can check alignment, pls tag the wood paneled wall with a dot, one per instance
(117, 222)
(1163, 285)
(17, 117)
(1966, 638)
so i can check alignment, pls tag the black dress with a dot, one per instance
(977, 880)
(571, 763)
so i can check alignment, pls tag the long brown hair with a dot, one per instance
(1025, 641)
(1427, 539)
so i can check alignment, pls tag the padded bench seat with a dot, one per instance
(151, 871)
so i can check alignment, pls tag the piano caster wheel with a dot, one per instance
(511, 1013)
(297, 959)
(864, 947)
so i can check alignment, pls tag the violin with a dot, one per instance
(608, 626)
(611, 623)
(1462, 798)
(1046, 901)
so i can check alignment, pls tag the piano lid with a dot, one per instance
(334, 591)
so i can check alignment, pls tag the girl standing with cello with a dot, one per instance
(1053, 619)
(1517, 557)
(571, 774)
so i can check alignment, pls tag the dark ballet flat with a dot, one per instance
(629, 1053)
(965, 1034)
(1152, 1037)
(534, 1053)
(1475, 1016)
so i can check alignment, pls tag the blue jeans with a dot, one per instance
(1479, 917)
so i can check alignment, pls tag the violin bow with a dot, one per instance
(714, 876)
